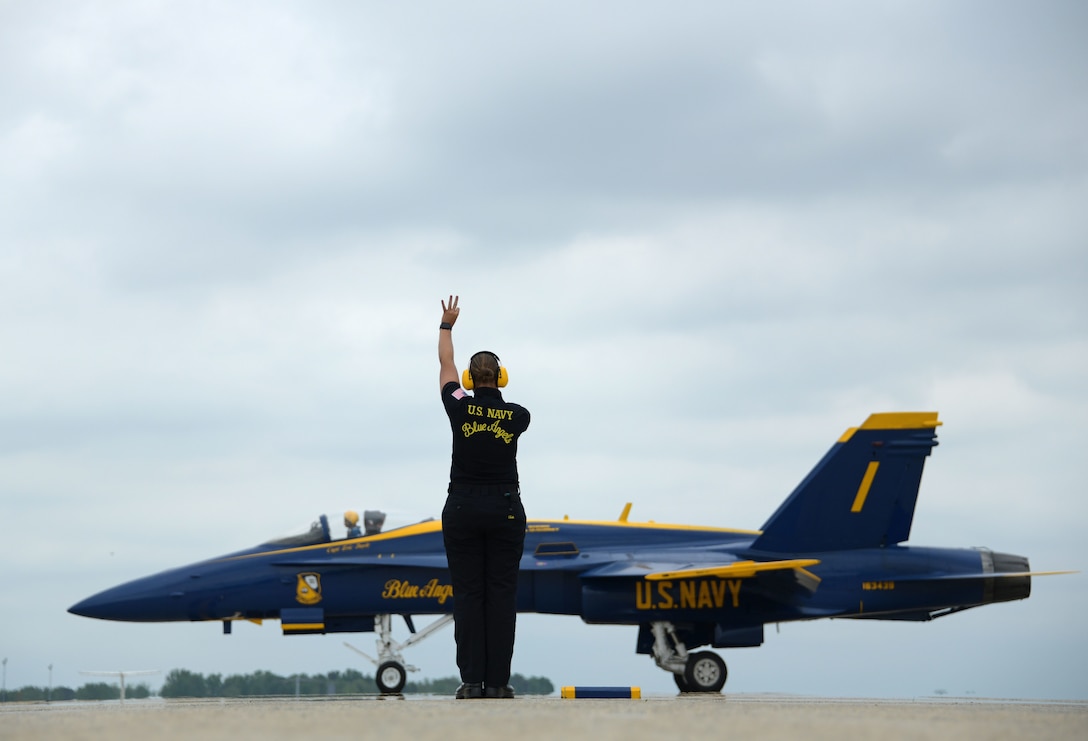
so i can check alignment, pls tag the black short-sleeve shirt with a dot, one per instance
(485, 435)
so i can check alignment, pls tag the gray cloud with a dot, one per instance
(705, 239)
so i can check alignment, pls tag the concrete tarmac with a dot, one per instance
(430, 718)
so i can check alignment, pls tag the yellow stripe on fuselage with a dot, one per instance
(642, 525)
(433, 526)
(420, 528)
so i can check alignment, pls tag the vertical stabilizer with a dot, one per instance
(862, 493)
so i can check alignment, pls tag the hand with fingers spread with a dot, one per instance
(450, 312)
(447, 371)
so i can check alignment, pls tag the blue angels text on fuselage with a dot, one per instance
(833, 548)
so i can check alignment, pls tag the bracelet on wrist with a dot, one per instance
(445, 325)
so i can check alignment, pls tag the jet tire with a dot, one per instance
(390, 678)
(704, 672)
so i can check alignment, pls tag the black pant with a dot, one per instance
(484, 532)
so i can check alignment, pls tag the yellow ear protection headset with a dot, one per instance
(501, 381)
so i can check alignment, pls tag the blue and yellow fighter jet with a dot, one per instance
(832, 549)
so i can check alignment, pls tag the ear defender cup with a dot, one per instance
(501, 381)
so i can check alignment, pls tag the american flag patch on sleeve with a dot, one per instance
(459, 394)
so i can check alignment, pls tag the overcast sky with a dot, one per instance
(705, 238)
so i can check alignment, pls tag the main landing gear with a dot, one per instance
(392, 669)
(699, 671)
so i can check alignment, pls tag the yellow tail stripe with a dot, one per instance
(866, 482)
(901, 421)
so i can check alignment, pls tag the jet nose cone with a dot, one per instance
(144, 600)
(104, 606)
(107, 605)
(86, 608)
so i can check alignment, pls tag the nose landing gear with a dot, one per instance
(392, 668)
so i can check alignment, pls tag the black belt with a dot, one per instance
(484, 489)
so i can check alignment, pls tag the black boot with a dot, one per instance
(470, 691)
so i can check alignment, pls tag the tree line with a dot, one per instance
(184, 683)
(91, 691)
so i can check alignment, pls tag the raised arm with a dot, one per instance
(447, 367)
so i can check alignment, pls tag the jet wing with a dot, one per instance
(737, 569)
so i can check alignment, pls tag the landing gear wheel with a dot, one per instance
(704, 672)
(390, 678)
(681, 683)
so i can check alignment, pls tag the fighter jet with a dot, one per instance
(833, 549)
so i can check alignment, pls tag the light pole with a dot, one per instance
(49, 695)
(5, 680)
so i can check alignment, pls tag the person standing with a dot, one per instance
(483, 520)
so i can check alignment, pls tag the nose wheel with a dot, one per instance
(392, 669)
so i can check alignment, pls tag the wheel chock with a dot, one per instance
(585, 693)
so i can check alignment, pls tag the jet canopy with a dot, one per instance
(327, 528)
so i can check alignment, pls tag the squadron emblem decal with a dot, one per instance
(308, 591)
